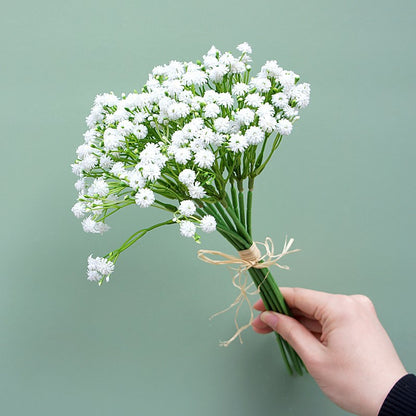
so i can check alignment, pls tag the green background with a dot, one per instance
(342, 185)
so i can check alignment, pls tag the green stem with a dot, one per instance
(249, 204)
(241, 202)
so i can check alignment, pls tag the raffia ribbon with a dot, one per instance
(247, 259)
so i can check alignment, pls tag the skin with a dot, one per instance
(342, 343)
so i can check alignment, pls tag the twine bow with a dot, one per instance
(250, 258)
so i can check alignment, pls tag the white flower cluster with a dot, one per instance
(176, 137)
(99, 268)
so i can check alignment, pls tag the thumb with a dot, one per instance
(300, 338)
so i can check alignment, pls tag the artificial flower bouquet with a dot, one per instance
(192, 143)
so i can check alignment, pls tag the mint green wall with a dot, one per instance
(342, 185)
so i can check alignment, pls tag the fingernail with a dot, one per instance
(269, 318)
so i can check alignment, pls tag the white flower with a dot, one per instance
(187, 228)
(210, 96)
(290, 111)
(206, 135)
(98, 268)
(237, 143)
(222, 124)
(213, 51)
(217, 73)
(210, 61)
(93, 276)
(106, 162)
(150, 153)
(106, 99)
(208, 224)
(267, 123)
(118, 169)
(173, 87)
(80, 185)
(254, 135)
(237, 67)
(84, 150)
(244, 116)
(187, 208)
(280, 100)
(151, 171)
(89, 162)
(140, 131)
(240, 89)
(144, 197)
(254, 100)
(99, 186)
(178, 110)
(287, 80)
(212, 110)
(284, 127)
(195, 77)
(94, 117)
(244, 48)
(182, 154)
(90, 136)
(301, 93)
(204, 158)
(91, 226)
(78, 209)
(178, 138)
(112, 139)
(187, 177)
(265, 110)
(196, 190)
(136, 179)
(271, 68)
(261, 84)
(225, 99)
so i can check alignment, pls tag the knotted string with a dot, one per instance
(250, 258)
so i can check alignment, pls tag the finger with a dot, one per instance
(300, 338)
(307, 301)
(259, 326)
(259, 305)
(311, 324)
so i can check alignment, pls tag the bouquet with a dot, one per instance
(192, 143)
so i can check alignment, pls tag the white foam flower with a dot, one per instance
(225, 99)
(237, 67)
(178, 138)
(254, 135)
(99, 186)
(187, 208)
(98, 268)
(271, 69)
(208, 224)
(118, 169)
(280, 100)
(150, 153)
(239, 89)
(204, 158)
(212, 110)
(90, 136)
(94, 276)
(136, 179)
(290, 111)
(217, 73)
(254, 100)
(227, 58)
(222, 124)
(112, 139)
(91, 226)
(197, 144)
(244, 48)
(244, 116)
(213, 51)
(186, 97)
(301, 94)
(80, 185)
(178, 110)
(151, 171)
(261, 84)
(267, 123)
(196, 191)
(84, 150)
(78, 209)
(265, 110)
(187, 228)
(173, 87)
(187, 177)
(195, 77)
(94, 117)
(106, 99)
(182, 154)
(207, 136)
(284, 127)
(125, 127)
(287, 80)
(210, 61)
(88, 163)
(210, 96)
(144, 197)
(237, 143)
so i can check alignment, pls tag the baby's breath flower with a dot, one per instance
(187, 208)
(187, 228)
(144, 197)
(187, 176)
(208, 224)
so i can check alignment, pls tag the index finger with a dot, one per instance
(306, 300)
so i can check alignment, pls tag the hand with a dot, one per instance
(342, 343)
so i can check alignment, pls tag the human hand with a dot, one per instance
(342, 343)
